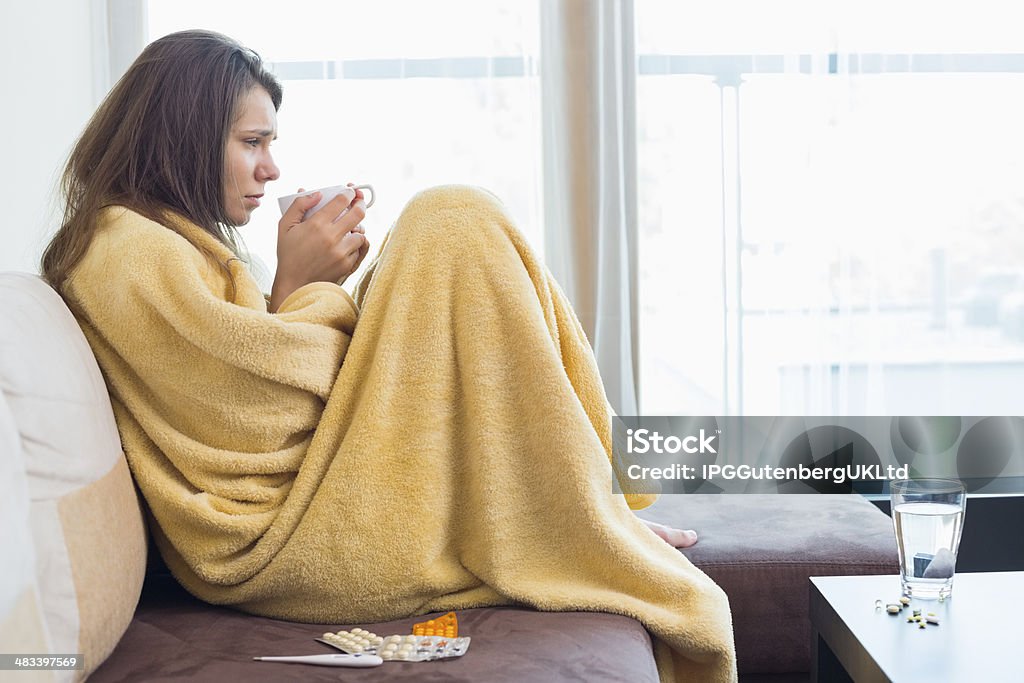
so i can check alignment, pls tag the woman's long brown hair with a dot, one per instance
(156, 144)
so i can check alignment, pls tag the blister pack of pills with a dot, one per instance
(447, 625)
(409, 648)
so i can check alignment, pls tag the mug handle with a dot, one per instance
(373, 195)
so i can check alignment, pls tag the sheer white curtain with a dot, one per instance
(118, 36)
(865, 255)
(588, 73)
(890, 152)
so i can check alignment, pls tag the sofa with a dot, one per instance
(80, 576)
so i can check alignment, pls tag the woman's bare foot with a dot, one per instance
(677, 538)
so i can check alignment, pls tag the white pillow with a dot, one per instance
(21, 615)
(87, 535)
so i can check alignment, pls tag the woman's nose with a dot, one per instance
(268, 170)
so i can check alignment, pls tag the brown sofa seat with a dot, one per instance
(761, 549)
(176, 637)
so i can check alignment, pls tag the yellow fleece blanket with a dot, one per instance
(440, 442)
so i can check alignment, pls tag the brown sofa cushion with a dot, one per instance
(761, 549)
(175, 636)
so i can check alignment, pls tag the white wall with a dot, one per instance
(46, 58)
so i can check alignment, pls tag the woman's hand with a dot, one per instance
(324, 248)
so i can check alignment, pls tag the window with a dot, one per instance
(831, 194)
(832, 208)
(449, 94)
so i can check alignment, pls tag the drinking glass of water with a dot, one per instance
(928, 515)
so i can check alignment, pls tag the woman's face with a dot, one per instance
(248, 165)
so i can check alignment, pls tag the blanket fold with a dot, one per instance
(441, 441)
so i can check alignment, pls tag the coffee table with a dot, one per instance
(978, 639)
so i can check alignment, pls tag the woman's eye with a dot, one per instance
(253, 142)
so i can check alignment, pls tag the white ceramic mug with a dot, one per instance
(328, 193)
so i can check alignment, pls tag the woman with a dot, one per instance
(440, 441)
